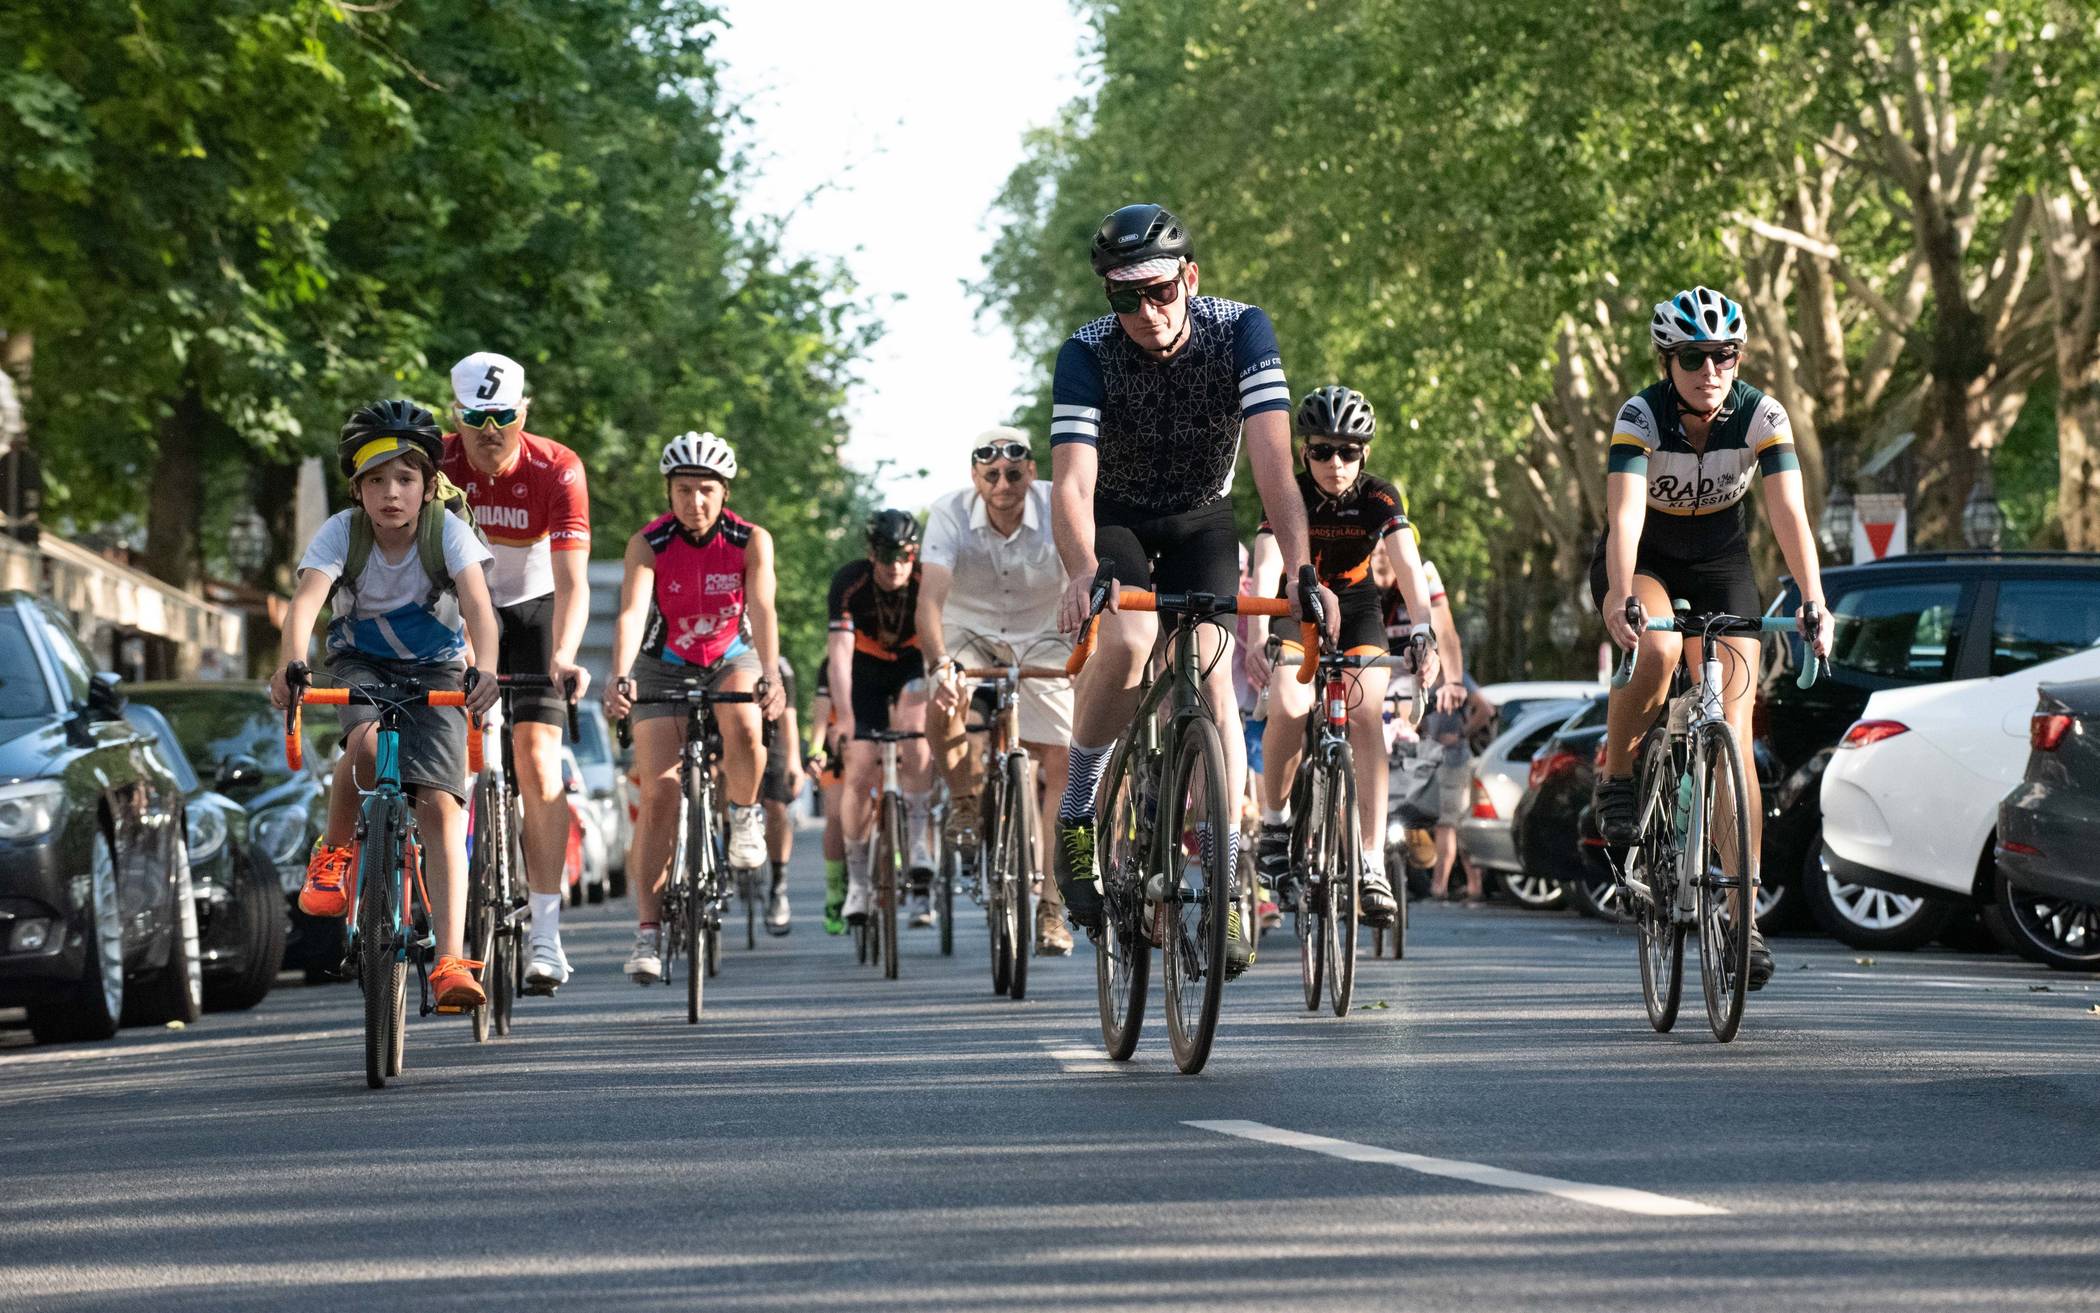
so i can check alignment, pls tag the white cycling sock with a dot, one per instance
(857, 862)
(546, 915)
(1275, 815)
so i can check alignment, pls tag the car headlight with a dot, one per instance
(207, 833)
(31, 810)
(281, 833)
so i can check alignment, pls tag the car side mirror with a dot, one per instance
(105, 701)
(237, 772)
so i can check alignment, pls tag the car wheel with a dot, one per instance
(1598, 896)
(259, 903)
(174, 991)
(94, 1005)
(1536, 893)
(1862, 916)
(2056, 932)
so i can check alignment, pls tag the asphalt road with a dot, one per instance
(1494, 1127)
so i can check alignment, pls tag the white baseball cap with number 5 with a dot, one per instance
(487, 381)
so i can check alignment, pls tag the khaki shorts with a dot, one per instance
(1045, 705)
(1454, 782)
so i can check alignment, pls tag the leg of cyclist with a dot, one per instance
(1282, 744)
(1367, 747)
(1632, 710)
(1105, 696)
(857, 821)
(831, 784)
(1739, 669)
(1053, 764)
(536, 747)
(780, 847)
(330, 868)
(743, 763)
(1215, 654)
(442, 822)
(658, 742)
(915, 780)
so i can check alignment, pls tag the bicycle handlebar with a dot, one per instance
(545, 681)
(1711, 626)
(299, 678)
(1022, 672)
(1202, 605)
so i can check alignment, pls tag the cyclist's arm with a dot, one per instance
(838, 650)
(1406, 558)
(1073, 469)
(1268, 437)
(760, 590)
(479, 613)
(572, 607)
(1787, 509)
(637, 587)
(1264, 566)
(1625, 512)
(297, 636)
(934, 583)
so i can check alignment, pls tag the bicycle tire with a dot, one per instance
(1660, 935)
(747, 890)
(988, 849)
(380, 972)
(1020, 861)
(944, 901)
(692, 892)
(1123, 849)
(481, 897)
(1195, 953)
(1724, 939)
(506, 973)
(890, 859)
(1308, 919)
(1344, 880)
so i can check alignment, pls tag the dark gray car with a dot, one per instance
(2049, 829)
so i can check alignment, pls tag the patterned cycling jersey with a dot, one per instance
(539, 505)
(1700, 493)
(1168, 431)
(884, 625)
(1345, 530)
(696, 612)
(1397, 621)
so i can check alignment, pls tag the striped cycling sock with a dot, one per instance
(1082, 781)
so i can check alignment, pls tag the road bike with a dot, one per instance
(390, 927)
(1162, 844)
(1691, 862)
(1007, 866)
(875, 935)
(497, 909)
(697, 884)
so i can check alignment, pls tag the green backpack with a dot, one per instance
(430, 541)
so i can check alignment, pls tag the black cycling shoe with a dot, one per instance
(1760, 960)
(1073, 865)
(1614, 803)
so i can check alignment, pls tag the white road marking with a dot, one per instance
(1078, 1061)
(1602, 1196)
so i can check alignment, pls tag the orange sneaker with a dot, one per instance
(454, 984)
(326, 892)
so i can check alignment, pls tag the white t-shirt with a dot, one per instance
(387, 617)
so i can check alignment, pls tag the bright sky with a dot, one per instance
(913, 113)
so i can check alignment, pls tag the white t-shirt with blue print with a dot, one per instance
(388, 617)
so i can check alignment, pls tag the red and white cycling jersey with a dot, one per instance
(536, 507)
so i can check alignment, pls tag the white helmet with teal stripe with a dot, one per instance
(1696, 315)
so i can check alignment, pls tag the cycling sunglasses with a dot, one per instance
(894, 555)
(1350, 452)
(1127, 300)
(488, 419)
(992, 451)
(1691, 359)
(1011, 474)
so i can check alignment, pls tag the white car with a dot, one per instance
(1910, 799)
(1513, 698)
(1501, 774)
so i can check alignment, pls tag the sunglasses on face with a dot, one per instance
(1011, 474)
(488, 419)
(1127, 300)
(896, 555)
(1691, 359)
(992, 451)
(1350, 452)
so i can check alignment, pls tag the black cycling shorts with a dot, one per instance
(1192, 551)
(1721, 584)
(1363, 620)
(525, 644)
(877, 683)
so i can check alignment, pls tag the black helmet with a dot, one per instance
(404, 420)
(1139, 232)
(891, 529)
(1336, 412)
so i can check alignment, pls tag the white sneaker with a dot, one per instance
(548, 967)
(644, 965)
(747, 837)
(860, 896)
(921, 860)
(777, 914)
(921, 911)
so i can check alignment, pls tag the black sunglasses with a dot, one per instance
(1691, 359)
(1011, 474)
(1126, 300)
(892, 555)
(1350, 452)
(992, 451)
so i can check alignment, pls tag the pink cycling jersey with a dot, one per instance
(696, 615)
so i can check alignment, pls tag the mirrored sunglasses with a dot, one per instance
(992, 451)
(488, 419)
(1691, 359)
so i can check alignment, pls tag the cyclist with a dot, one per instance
(988, 594)
(782, 785)
(1149, 404)
(1685, 448)
(395, 623)
(878, 683)
(828, 761)
(530, 499)
(1351, 515)
(694, 576)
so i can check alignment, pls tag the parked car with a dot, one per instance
(604, 786)
(1514, 699)
(584, 872)
(2048, 830)
(1548, 824)
(98, 925)
(240, 904)
(1911, 795)
(1903, 623)
(1501, 776)
(236, 739)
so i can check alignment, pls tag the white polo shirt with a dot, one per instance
(1003, 587)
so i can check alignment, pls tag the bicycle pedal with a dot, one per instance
(531, 990)
(449, 1010)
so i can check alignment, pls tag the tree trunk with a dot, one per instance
(2078, 449)
(175, 503)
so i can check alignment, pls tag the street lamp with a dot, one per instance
(1982, 519)
(247, 544)
(1565, 625)
(1835, 528)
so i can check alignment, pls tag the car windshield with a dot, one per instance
(150, 721)
(23, 692)
(216, 724)
(1589, 717)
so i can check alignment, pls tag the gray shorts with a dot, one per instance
(654, 676)
(1454, 791)
(433, 739)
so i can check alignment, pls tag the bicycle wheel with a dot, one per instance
(1199, 892)
(1344, 877)
(1724, 846)
(890, 857)
(1654, 862)
(944, 898)
(1019, 842)
(505, 972)
(1309, 918)
(380, 972)
(692, 909)
(481, 897)
(992, 844)
(747, 890)
(1123, 847)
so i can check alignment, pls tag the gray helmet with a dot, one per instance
(1336, 412)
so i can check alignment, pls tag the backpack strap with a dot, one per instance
(355, 559)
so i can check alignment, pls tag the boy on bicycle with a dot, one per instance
(396, 624)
